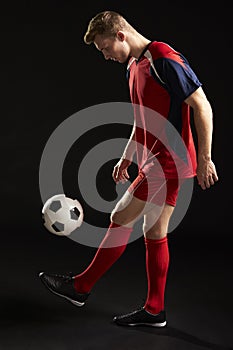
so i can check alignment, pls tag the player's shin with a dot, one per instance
(157, 262)
(111, 248)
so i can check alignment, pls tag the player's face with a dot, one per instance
(113, 48)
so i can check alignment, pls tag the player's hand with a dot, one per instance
(206, 173)
(120, 171)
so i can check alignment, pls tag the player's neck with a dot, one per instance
(138, 45)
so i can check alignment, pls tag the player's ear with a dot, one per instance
(120, 35)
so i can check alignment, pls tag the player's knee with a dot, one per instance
(120, 219)
(154, 232)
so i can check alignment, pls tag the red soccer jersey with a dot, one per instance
(159, 81)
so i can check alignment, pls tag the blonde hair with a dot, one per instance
(106, 23)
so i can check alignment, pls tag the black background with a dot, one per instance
(47, 74)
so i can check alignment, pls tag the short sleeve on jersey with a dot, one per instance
(178, 78)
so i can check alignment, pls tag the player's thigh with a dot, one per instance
(156, 222)
(130, 209)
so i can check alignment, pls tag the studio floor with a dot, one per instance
(198, 297)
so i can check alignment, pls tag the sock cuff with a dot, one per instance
(156, 241)
(114, 225)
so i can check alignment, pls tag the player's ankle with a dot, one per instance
(153, 311)
(79, 288)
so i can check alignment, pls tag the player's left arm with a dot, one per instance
(203, 121)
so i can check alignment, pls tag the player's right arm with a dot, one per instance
(120, 170)
(203, 120)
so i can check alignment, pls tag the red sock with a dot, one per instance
(157, 262)
(111, 248)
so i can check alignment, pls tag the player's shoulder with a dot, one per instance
(161, 49)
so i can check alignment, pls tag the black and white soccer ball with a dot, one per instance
(62, 215)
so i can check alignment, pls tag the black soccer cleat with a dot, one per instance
(63, 286)
(141, 318)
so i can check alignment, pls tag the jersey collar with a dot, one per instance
(142, 54)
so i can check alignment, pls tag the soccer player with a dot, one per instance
(161, 83)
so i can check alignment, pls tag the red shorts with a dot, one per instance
(155, 190)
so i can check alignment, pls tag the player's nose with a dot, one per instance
(106, 55)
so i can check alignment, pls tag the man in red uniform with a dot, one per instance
(163, 88)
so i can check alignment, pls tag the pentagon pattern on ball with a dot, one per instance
(58, 226)
(74, 213)
(55, 206)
